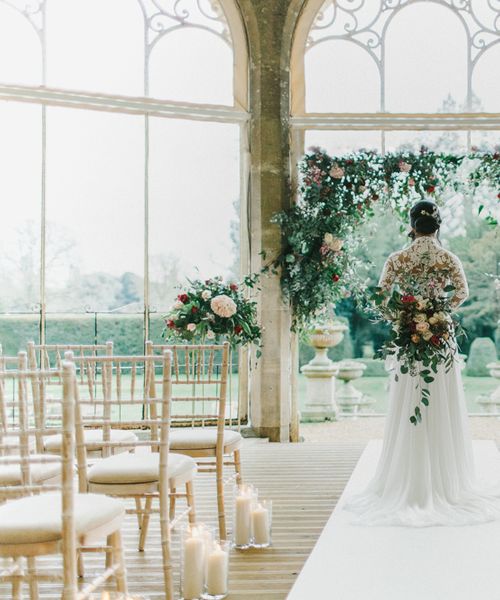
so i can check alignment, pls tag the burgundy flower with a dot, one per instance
(375, 197)
(430, 189)
(171, 324)
(194, 309)
(408, 299)
(238, 329)
(184, 298)
(233, 287)
(348, 185)
(335, 277)
(435, 340)
(496, 156)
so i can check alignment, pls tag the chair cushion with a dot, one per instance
(36, 519)
(200, 438)
(11, 474)
(141, 467)
(93, 437)
(10, 444)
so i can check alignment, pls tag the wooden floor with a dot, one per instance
(303, 480)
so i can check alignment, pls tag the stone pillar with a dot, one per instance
(271, 381)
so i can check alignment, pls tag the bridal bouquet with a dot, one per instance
(211, 310)
(423, 335)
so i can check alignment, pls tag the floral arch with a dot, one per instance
(352, 88)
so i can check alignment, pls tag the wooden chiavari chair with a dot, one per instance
(89, 379)
(38, 518)
(200, 379)
(143, 476)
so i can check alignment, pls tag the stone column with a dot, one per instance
(271, 381)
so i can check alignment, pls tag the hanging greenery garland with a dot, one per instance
(318, 263)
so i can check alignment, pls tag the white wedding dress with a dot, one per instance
(425, 475)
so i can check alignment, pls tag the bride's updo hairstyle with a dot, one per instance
(425, 217)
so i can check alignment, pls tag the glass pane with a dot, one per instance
(20, 49)
(69, 329)
(341, 142)
(193, 66)
(95, 210)
(95, 45)
(486, 83)
(426, 60)
(126, 331)
(194, 203)
(488, 141)
(20, 193)
(452, 142)
(341, 77)
(16, 330)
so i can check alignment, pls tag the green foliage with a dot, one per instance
(482, 352)
(337, 195)
(374, 367)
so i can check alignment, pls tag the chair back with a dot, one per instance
(121, 402)
(18, 419)
(199, 383)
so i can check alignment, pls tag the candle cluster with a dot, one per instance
(205, 564)
(252, 519)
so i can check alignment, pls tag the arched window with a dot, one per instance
(122, 146)
(377, 74)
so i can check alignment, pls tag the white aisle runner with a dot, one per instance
(351, 562)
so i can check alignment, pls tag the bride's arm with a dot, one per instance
(458, 280)
(388, 275)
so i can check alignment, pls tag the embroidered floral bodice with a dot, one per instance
(426, 262)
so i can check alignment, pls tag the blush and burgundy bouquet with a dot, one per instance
(424, 330)
(211, 310)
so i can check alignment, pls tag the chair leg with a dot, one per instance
(145, 523)
(115, 540)
(33, 583)
(138, 506)
(110, 558)
(17, 583)
(172, 498)
(237, 467)
(190, 502)
(168, 581)
(220, 497)
(80, 566)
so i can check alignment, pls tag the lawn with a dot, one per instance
(376, 387)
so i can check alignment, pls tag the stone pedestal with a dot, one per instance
(491, 403)
(320, 392)
(320, 373)
(349, 398)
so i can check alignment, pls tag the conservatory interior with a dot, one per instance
(198, 197)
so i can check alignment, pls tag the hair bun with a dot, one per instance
(426, 224)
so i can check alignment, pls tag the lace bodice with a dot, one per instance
(428, 263)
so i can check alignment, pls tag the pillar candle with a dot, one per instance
(217, 572)
(242, 525)
(260, 525)
(194, 566)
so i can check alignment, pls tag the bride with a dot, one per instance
(425, 475)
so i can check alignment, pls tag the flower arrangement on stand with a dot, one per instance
(423, 336)
(212, 310)
(317, 263)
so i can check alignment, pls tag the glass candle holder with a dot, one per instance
(262, 517)
(195, 541)
(217, 571)
(245, 497)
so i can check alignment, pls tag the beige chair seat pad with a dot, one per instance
(10, 474)
(140, 467)
(93, 439)
(10, 444)
(201, 438)
(37, 519)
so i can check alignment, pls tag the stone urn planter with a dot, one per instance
(320, 371)
(349, 399)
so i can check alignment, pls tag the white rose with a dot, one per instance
(422, 327)
(433, 320)
(206, 294)
(177, 305)
(420, 318)
(427, 335)
(334, 243)
(191, 326)
(210, 335)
